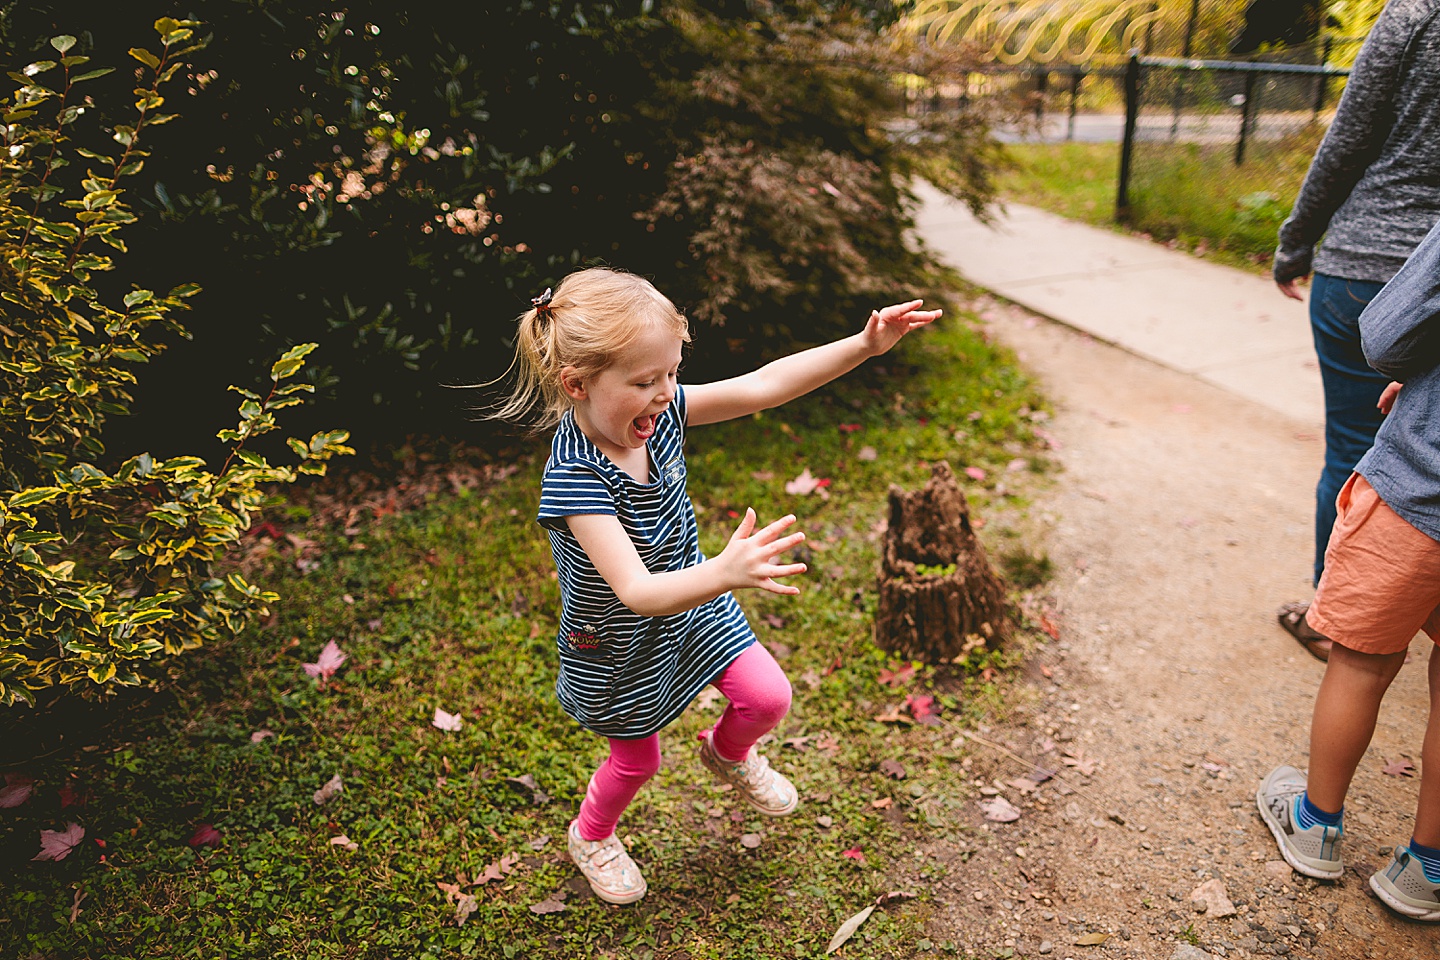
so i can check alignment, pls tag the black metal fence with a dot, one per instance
(1251, 122)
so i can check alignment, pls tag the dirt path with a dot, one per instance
(1180, 522)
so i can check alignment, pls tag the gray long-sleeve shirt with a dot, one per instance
(1400, 332)
(1373, 189)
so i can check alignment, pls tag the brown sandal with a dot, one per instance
(1292, 618)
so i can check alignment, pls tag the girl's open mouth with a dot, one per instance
(644, 427)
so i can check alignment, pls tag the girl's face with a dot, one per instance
(617, 408)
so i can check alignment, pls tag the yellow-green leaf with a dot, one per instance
(62, 43)
(145, 57)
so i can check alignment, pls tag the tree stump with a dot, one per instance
(939, 597)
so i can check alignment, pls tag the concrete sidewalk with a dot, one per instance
(1225, 326)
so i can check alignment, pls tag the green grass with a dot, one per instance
(1192, 195)
(452, 605)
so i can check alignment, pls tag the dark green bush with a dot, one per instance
(395, 181)
(105, 572)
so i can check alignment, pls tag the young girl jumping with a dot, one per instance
(646, 620)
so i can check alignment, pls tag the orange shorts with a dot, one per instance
(1381, 584)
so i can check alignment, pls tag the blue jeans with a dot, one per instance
(1351, 391)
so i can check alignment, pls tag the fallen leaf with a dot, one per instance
(539, 843)
(975, 473)
(1016, 465)
(892, 769)
(330, 659)
(332, 786)
(549, 905)
(893, 715)
(834, 665)
(340, 840)
(465, 904)
(57, 844)
(70, 797)
(1083, 765)
(16, 791)
(1395, 768)
(1213, 895)
(707, 698)
(854, 853)
(920, 706)
(894, 895)
(867, 454)
(811, 679)
(825, 822)
(1092, 939)
(777, 622)
(526, 781)
(797, 743)
(883, 803)
(999, 810)
(750, 841)
(849, 427)
(847, 929)
(447, 721)
(896, 675)
(1024, 784)
(492, 871)
(205, 835)
(259, 735)
(805, 483)
(829, 743)
(762, 475)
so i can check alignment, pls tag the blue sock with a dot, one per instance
(1308, 815)
(1429, 858)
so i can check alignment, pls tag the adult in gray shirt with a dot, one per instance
(1372, 193)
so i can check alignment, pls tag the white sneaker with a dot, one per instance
(607, 866)
(762, 787)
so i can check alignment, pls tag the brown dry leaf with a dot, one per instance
(332, 786)
(548, 905)
(892, 769)
(1092, 939)
(894, 895)
(1024, 784)
(750, 841)
(1083, 765)
(797, 742)
(1399, 768)
(893, 715)
(999, 810)
(847, 929)
(867, 454)
(884, 803)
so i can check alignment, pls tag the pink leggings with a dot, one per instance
(759, 698)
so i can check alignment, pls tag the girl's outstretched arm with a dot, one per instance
(796, 375)
(748, 560)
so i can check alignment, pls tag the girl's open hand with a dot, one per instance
(888, 324)
(749, 557)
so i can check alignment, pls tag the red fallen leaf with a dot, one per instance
(897, 676)
(987, 674)
(1049, 674)
(268, 529)
(1049, 627)
(16, 791)
(70, 797)
(1399, 768)
(835, 665)
(849, 427)
(57, 844)
(920, 706)
(854, 853)
(205, 835)
(330, 659)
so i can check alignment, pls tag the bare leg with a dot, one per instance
(1344, 721)
(1427, 812)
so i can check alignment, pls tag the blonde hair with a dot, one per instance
(592, 317)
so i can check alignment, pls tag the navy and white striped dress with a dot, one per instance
(623, 675)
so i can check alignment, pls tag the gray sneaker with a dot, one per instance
(1405, 888)
(1314, 852)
